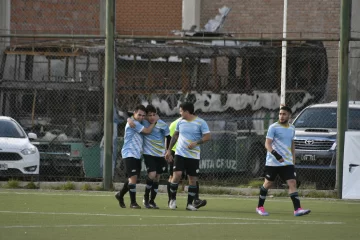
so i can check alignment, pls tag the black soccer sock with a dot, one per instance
(149, 184)
(296, 200)
(132, 192)
(191, 193)
(125, 189)
(173, 190)
(262, 197)
(196, 197)
(168, 191)
(154, 190)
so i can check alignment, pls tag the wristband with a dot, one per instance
(276, 155)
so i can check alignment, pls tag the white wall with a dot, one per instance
(4, 22)
(191, 14)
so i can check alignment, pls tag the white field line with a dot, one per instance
(141, 225)
(163, 195)
(177, 217)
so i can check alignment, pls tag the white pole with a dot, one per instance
(283, 57)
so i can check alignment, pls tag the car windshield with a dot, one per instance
(326, 118)
(10, 129)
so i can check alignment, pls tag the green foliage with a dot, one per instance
(256, 183)
(12, 183)
(68, 186)
(31, 185)
(86, 187)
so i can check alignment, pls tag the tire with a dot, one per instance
(256, 161)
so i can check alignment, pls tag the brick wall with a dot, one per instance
(155, 17)
(56, 16)
(255, 18)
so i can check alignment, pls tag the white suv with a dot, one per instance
(17, 155)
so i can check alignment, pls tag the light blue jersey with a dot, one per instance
(154, 143)
(282, 137)
(190, 131)
(133, 141)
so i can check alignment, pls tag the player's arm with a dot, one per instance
(168, 139)
(148, 130)
(268, 146)
(205, 138)
(173, 140)
(293, 151)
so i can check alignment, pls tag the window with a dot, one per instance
(326, 118)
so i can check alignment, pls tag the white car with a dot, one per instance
(17, 155)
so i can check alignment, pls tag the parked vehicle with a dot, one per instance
(18, 157)
(315, 142)
(65, 153)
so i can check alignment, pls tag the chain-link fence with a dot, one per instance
(54, 88)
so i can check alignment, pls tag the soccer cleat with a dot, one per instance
(261, 211)
(300, 212)
(120, 199)
(153, 205)
(172, 204)
(198, 203)
(146, 203)
(135, 206)
(191, 207)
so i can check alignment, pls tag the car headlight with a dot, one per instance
(28, 151)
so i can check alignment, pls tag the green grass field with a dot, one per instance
(55, 215)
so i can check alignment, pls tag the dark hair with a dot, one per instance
(286, 108)
(187, 106)
(140, 107)
(150, 109)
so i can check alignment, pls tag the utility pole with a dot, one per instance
(343, 90)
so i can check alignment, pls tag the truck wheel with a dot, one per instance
(256, 161)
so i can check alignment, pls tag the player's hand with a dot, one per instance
(131, 123)
(281, 160)
(168, 156)
(192, 145)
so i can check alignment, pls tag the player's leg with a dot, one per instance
(198, 203)
(135, 172)
(192, 169)
(130, 164)
(288, 174)
(270, 175)
(150, 164)
(177, 172)
(170, 167)
(161, 167)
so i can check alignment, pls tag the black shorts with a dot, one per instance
(284, 172)
(154, 163)
(132, 166)
(190, 165)
(171, 167)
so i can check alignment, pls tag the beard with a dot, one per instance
(284, 121)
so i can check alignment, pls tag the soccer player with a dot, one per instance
(154, 153)
(198, 203)
(190, 132)
(131, 154)
(280, 161)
